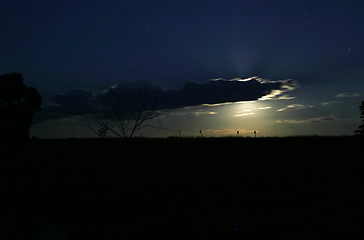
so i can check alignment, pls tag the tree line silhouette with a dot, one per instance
(17, 106)
(360, 130)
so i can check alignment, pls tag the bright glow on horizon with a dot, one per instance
(243, 114)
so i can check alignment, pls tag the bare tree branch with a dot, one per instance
(123, 119)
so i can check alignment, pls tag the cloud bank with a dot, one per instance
(348, 95)
(152, 96)
(75, 101)
(330, 118)
(222, 91)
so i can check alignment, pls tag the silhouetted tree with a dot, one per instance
(125, 115)
(360, 130)
(17, 105)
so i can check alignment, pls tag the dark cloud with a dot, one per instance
(219, 91)
(72, 102)
(142, 94)
(212, 92)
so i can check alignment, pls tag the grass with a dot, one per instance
(183, 188)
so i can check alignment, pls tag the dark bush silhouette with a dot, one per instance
(360, 130)
(17, 105)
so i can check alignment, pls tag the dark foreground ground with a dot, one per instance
(232, 188)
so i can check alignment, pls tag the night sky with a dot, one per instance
(65, 48)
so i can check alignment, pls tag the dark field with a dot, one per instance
(198, 188)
